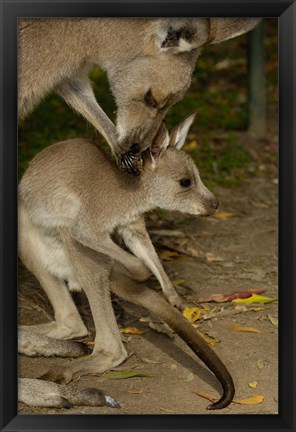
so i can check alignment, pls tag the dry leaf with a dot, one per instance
(253, 384)
(131, 330)
(255, 298)
(244, 329)
(213, 258)
(260, 364)
(135, 390)
(125, 374)
(178, 281)
(219, 298)
(190, 377)
(209, 339)
(207, 396)
(273, 319)
(254, 400)
(192, 314)
(191, 146)
(258, 204)
(173, 366)
(167, 255)
(242, 308)
(224, 215)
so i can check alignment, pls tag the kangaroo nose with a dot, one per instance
(214, 204)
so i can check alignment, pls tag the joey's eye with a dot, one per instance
(149, 99)
(185, 182)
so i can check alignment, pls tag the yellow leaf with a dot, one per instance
(224, 214)
(249, 309)
(209, 339)
(255, 298)
(192, 314)
(191, 146)
(131, 330)
(167, 255)
(207, 396)
(253, 384)
(244, 329)
(178, 281)
(213, 258)
(254, 400)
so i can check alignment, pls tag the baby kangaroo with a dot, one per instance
(73, 193)
(74, 184)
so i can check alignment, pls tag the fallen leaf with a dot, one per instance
(209, 339)
(178, 281)
(260, 364)
(131, 330)
(273, 319)
(255, 298)
(147, 360)
(207, 396)
(244, 329)
(173, 366)
(220, 298)
(190, 377)
(258, 204)
(192, 252)
(253, 384)
(243, 308)
(167, 255)
(191, 146)
(192, 314)
(213, 258)
(254, 400)
(135, 390)
(125, 374)
(224, 215)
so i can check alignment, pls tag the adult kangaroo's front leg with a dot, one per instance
(92, 270)
(78, 93)
(137, 239)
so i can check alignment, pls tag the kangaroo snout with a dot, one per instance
(211, 205)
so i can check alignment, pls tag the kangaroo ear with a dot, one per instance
(159, 143)
(179, 133)
(179, 35)
(222, 29)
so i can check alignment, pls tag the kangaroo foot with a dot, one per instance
(95, 364)
(39, 393)
(68, 329)
(34, 344)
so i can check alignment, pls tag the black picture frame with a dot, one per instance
(286, 13)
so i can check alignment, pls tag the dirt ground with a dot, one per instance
(202, 256)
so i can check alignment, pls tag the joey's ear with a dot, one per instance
(179, 35)
(159, 143)
(179, 133)
(222, 29)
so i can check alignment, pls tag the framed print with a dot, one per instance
(85, 152)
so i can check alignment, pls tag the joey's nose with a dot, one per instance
(214, 204)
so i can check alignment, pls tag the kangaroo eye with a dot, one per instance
(186, 182)
(149, 99)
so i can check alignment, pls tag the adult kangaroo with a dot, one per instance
(149, 63)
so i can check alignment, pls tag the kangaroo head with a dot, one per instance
(172, 177)
(146, 86)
